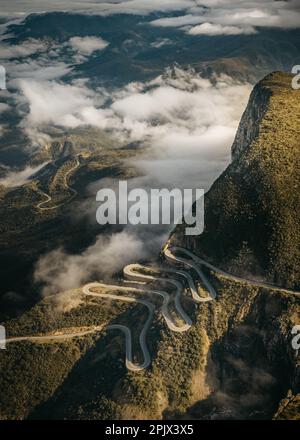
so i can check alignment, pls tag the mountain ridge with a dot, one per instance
(251, 210)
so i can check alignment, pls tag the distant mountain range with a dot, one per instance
(140, 51)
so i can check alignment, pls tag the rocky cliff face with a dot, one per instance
(251, 371)
(60, 150)
(249, 126)
(251, 230)
(251, 212)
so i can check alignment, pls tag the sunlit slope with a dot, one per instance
(252, 210)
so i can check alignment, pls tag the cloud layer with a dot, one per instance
(188, 124)
(87, 45)
(218, 29)
(242, 14)
(60, 272)
(18, 178)
(188, 121)
(228, 17)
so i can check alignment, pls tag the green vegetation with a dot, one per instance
(239, 347)
(28, 232)
(53, 314)
(21, 219)
(252, 210)
(30, 374)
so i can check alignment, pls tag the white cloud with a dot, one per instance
(161, 43)
(18, 178)
(189, 123)
(38, 69)
(54, 103)
(185, 118)
(180, 21)
(37, 138)
(4, 107)
(267, 13)
(145, 6)
(60, 271)
(230, 17)
(27, 48)
(218, 29)
(87, 45)
(107, 7)
(33, 59)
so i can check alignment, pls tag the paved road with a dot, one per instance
(192, 286)
(169, 251)
(41, 206)
(87, 290)
(132, 273)
(172, 258)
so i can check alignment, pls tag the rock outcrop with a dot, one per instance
(251, 212)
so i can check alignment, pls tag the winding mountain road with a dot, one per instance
(41, 206)
(171, 257)
(132, 273)
(169, 254)
(87, 290)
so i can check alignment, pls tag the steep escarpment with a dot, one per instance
(250, 123)
(251, 212)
